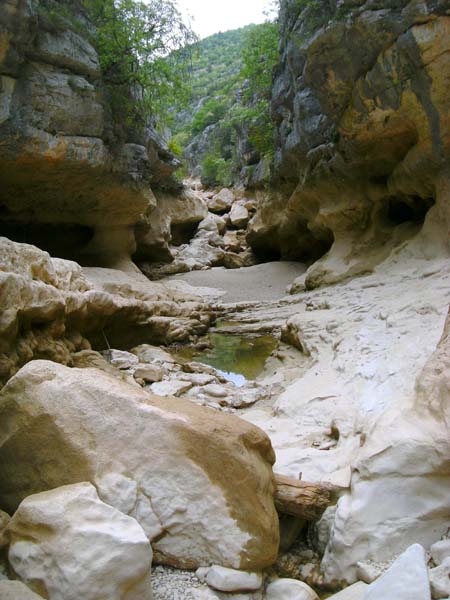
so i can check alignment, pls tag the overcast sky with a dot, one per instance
(211, 16)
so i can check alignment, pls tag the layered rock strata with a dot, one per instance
(363, 137)
(74, 179)
(52, 309)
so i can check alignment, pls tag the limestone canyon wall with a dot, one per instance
(75, 178)
(360, 99)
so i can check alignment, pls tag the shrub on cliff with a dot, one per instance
(143, 49)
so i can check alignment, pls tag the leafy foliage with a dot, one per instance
(216, 171)
(260, 55)
(232, 80)
(210, 112)
(144, 50)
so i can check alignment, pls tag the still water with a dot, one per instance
(238, 358)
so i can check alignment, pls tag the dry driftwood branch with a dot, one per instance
(301, 499)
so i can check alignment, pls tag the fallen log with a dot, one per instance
(301, 499)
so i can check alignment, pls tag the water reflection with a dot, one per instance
(238, 358)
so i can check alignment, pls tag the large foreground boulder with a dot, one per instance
(66, 545)
(198, 481)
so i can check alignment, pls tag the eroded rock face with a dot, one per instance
(66, 544)
(52, 309)
(363, 135)
(171, 465)
(405, 457)
(66, 162)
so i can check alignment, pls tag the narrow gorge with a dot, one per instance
(233, 382)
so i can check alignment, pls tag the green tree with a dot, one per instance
(212, 111)
(260, 55)
(144, 50)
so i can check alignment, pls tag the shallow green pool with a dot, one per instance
(239, 358)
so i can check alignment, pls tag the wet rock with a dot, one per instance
(161, 460)
(68, 544)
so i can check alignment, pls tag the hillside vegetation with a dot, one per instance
(226, 132)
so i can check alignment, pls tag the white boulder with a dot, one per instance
(214, 223)
(121, 359)
(440, 580)
(67, 544)
(171, 387)
(440, 551)
(148, 373)
(290, 589)
(231, 580)
(239, 216)
(222, 201)
(406, 579)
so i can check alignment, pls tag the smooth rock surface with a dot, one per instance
(440, 551)
(167, 462)
(353, 592)
(16, 590)
(67, 544)
(290, 589)
(440, 580)
(239, 216)
(170, 388)
(231, 580)
(406, 579)
(222, 201)
(149, 373)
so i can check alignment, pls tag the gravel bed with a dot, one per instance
(174, 584)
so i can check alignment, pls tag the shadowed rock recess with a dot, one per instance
(125, 466)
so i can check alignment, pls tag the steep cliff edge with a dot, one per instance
(75, 179)
(363, 134)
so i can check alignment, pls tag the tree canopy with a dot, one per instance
(144, 50)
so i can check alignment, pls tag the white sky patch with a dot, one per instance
(211, 16)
